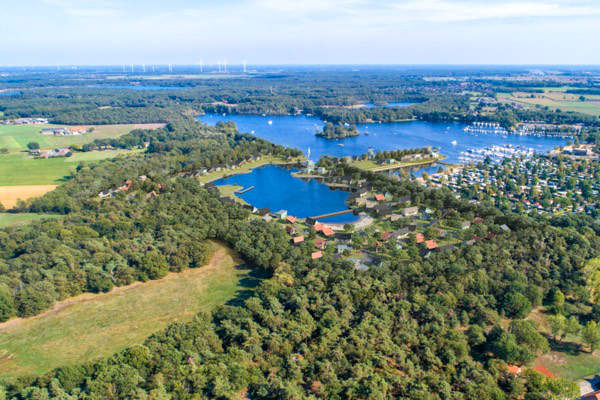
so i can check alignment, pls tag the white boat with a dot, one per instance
(270, 122)
(454, 143)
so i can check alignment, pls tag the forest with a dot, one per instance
(417, 328)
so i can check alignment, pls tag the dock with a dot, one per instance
(332, 214)
(242, 191)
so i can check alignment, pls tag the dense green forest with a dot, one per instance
(72, 98)
(417, 328)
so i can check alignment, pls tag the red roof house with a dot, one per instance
(318, 227)
(431, 244)
(420, 238)
(316, 255)
(298, 239)
(320, 243)
(379, 197)
(291, 220)
(327, 231)
(513, 369)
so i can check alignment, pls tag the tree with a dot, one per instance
(572, 326)
(557, 301)
(7, 305)
(557, 324)
(516, 305)
(590, 335)
(33, 146)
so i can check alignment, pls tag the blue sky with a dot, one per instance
(92, 32)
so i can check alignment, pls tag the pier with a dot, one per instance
(332, 214)
(242, 191)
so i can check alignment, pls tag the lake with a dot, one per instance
(299, 132)
(275, 188)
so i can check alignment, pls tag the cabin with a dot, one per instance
(379, 197)
(505, 228)
(291, 220)
(298, 239)
(513, 369)
(327, 231)
(431, 245)
(316, 255)
(410, 211)
(281, 214)
(263, 212)
(419, 238)
(320, 243)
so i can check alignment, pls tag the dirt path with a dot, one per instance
(220, 252)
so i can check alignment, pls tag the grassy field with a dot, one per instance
(91, 326)
(370, 165)
(22, 169)
(229, 191)
(242, 169)
(555, 99)
(15, 137)
(7, 219)
(567, 358)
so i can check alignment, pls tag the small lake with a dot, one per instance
(275, 188)
(299, 132)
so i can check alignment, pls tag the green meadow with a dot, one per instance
(91, 326)
(21, 169)
(7, 220)
(15, 137)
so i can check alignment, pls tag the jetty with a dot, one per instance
(242, 191)
(332, 214)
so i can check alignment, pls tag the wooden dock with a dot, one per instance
(332, 214)
(242, 191)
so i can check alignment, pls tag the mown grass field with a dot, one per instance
(370, 165)
(555, 99)
(15, 137)
(7, 219)
(568, 358)
(241, 169)
(91, 326)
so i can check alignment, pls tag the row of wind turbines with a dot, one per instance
(221, 67)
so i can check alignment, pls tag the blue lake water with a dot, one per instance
(10, 93)
(299, 132)
(275, 188)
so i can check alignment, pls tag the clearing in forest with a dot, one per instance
(90, 326)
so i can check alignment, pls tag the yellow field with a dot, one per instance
(10, 194)
(91, 326)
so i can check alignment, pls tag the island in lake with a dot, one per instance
(339, 131)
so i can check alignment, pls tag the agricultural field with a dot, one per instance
(91, 326)
(555, 98)
(15, 137)
(8, 220)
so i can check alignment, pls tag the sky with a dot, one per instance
(111, 32)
